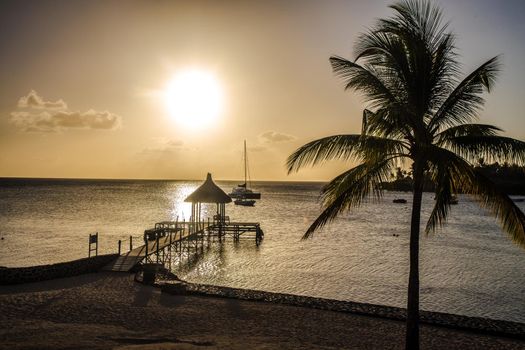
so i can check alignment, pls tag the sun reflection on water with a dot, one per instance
(181, 210)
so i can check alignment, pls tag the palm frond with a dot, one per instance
(467, 130)
(361, 79)
(509, 215)
(379, 49)
(489, 147)
(420, 18)
(349, 189)
(468, 180)
(464, 102)
(342, 147)
(445, 189)
(364, 123)
(445, 69)
(428, 51)
(386, 123)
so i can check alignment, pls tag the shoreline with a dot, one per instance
(111, 310)
(481, 325)
(169, 283)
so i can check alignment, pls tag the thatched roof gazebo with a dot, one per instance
(208, 192)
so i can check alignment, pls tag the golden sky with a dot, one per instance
(83, 83)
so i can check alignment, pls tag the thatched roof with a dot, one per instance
(208, 192)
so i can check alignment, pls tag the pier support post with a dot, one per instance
(146, 253)
(170, 246)
(180, 240)
(209, 231)
(181, 233)
(202, 236)
(157, 251)
(130, 242)
(119, 244)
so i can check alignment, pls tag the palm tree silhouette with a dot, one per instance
(419, 112)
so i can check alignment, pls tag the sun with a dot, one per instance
(194, 98)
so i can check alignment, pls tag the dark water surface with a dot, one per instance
(470, 267)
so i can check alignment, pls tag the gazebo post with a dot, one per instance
(223, 218)
(198, 216)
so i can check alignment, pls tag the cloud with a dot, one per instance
(33, 100)
(275, 137)
(34, 114)
(61, 120)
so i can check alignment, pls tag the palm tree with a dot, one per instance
(420, 112)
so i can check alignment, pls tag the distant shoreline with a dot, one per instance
(395, 186)
(71, 179)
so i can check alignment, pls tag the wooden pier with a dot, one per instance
(171, 237)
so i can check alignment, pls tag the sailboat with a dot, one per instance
(242, 194)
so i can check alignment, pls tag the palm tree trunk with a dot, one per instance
(412, 325)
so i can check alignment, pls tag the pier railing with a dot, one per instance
(156, 244)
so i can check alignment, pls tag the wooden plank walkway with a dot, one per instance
(237, 227)
(127, 261)
(181, 232)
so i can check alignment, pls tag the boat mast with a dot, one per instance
(245, 183)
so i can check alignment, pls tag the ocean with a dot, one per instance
(469, 267)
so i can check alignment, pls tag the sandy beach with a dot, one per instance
(110, 310)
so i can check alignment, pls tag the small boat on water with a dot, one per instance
(244, 202)
(243, 195)
(399, 200)
(242, 192)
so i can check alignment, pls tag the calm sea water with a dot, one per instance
(470, 267)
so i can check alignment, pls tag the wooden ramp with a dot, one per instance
(127, 261)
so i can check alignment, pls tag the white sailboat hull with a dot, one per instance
(244, 193)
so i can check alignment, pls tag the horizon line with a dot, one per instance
(138, 179)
